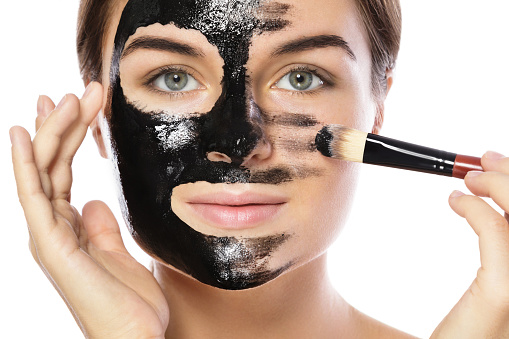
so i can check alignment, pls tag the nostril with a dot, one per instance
(218, 157)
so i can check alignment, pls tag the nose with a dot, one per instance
(238, 138)
(262, 151)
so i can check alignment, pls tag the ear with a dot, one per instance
(97, 131)
(380, 106)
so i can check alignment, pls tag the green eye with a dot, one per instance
(299, 81)
(176, 82)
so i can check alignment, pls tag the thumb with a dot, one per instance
(102, 227)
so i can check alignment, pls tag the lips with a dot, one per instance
(237, 211)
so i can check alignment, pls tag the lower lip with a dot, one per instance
(237, 217)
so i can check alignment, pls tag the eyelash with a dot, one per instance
(326, 83)
(149, 82)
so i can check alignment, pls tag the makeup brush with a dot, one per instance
(344, 143)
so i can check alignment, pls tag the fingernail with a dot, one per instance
(11, 136)
(493, 155)
(87, 90)
(456, 194)
(61, 103)
(473, 174)
(40, 105)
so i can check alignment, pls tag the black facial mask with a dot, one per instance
(155, 152)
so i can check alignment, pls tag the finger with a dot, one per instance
(90, 105)
(38, 209)
(47, 140)
(491, 227)
(493, 161)
(35, 203)
(102, 227)
(494, 185)
(44, 107)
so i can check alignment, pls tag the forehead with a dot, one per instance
(221, 21)
(229, 21)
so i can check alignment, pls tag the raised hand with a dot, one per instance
(483, 311)
(109, 293)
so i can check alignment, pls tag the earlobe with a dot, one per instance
(380, 106)
(379, 118)
(96, 128)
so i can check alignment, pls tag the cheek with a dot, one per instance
(322, 211)
(331, 198)
(355, 109)
(351, 106)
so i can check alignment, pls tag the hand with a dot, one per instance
(109, 293)
(483, 311)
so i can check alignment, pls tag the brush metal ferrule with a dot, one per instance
(389, 152)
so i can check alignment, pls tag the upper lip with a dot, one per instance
(242, 199)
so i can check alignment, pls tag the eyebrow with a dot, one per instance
(161, 44)
(313, 42)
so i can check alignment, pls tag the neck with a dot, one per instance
(300, 303)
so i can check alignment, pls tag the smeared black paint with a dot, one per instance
(290, 119)
(234, 258)
(155, 152)
(296, 146)
(323, 140)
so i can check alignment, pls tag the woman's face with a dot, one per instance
(212, 112)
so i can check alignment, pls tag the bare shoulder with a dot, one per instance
(372, 328)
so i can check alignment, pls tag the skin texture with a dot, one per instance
(112, 296)
(162, 149)
(234, 127)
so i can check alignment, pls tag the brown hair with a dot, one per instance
(93, 17)
(382, 19)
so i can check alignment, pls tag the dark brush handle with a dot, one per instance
(389, 152)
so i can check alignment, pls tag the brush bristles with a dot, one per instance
(340, 142)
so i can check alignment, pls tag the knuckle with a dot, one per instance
(42, 167)
(498, 223)
(496, 179)
(504, 165)
(492, 289)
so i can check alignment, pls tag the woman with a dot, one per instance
(247, 134)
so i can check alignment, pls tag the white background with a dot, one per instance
(404, 258)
